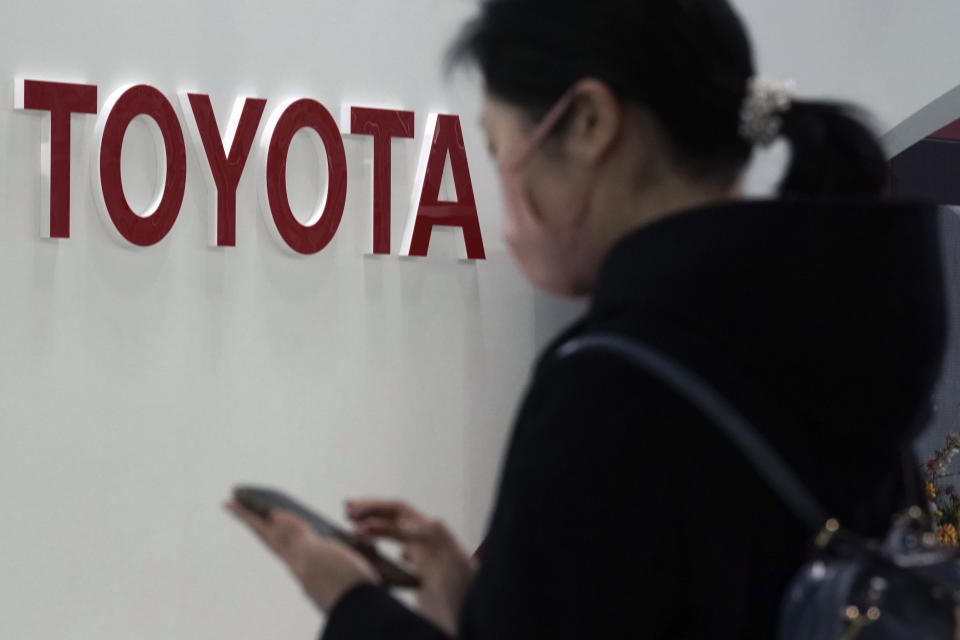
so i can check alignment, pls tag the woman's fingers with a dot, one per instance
(288, 529)
(280, 532)
(378, 508)
(374, 527)
(254, 522)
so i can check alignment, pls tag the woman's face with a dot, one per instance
(577, 180)
(546, 195)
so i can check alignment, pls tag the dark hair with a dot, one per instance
(687, 61)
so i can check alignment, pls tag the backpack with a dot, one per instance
(904, 587)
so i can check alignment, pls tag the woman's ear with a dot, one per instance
(596, 121)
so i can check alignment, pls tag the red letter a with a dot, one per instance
(429, 211)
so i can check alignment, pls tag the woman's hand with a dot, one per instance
(444, 568)
(326, 570)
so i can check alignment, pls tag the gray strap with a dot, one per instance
(765, 460)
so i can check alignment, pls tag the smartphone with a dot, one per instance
(262, 501)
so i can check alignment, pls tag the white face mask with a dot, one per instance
(545, 254)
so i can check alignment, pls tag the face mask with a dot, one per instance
(542, 251)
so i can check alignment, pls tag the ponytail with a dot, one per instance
(833, 152)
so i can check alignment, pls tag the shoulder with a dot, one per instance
(592, 395)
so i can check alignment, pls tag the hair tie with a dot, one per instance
(761, 117)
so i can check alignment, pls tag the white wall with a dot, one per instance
(139, 384)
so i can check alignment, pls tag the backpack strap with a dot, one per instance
(761, 455)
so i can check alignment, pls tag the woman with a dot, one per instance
(621, 129)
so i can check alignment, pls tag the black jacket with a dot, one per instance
(621, 511)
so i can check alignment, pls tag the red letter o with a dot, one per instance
(299, 114)
(152, 227)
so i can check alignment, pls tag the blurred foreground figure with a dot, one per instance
(621, 129)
